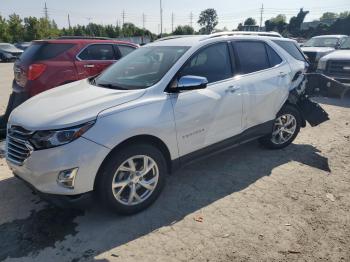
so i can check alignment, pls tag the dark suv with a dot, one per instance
(46, 64)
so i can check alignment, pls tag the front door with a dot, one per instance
(204, 117)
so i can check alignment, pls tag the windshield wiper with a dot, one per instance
(111, 86)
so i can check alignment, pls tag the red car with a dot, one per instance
(46, 64)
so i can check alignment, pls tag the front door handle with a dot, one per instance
(89, 66)
(232, 89)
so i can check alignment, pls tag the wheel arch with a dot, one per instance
(292, 101)
(142, 139)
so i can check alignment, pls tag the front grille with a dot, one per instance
(18, 148)
(337, 68)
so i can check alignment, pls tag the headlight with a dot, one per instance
(322, 65)
(53, 138)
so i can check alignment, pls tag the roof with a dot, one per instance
(83, 40)
(326, 36)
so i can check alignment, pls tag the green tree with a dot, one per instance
(344, 14)
(15, 28)
(31, 28)
(277, 23)
(4, 33)
(296, 21)
(208, 20)
(183, 30)
(250, 21)
(328, 16)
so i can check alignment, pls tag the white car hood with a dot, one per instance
(317, 49)
(338, 55)
(69, 105)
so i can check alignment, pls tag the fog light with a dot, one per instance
(66, 178)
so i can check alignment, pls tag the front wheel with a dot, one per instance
(132, 178)
(285, 130)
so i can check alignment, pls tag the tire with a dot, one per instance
(283, 136)
(119, 170)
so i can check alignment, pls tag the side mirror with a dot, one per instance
(186, 83)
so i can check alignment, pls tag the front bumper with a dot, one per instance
(42, 167)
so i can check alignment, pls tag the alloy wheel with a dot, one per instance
(135, 180)
(284, 129)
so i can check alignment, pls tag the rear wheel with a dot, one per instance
(132, 178)
(285, 130)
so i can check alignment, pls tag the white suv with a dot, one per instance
(120, 133)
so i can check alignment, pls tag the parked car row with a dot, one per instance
(9, 52)
(118, 134)
(46, 64)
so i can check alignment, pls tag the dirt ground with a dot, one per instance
(246, 204)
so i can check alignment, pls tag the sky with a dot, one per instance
(230, 12)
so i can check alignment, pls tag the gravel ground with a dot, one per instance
(246, 204)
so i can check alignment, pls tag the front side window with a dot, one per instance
(346, 44)
(252, 56)
(142, 68)
(98, 52)
(274, 58)
(212, 62)
(125, 50)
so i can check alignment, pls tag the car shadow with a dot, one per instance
(345, 102)
(192, 188)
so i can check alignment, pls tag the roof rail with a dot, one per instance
(84, 37)
(172, 37)
(232, 33)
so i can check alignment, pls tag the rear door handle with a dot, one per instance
(232, 89)
(89, 66)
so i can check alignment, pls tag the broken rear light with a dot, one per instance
(35, 70)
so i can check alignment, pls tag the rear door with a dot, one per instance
(94, 58)
(264, 81)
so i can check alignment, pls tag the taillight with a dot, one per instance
(35, 70)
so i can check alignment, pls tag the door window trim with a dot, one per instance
(260, 71)
(94, 60)
(233, 74)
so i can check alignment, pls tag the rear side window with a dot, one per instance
(291, 49)
(212, 62)
(274, 58)
(125, 50)
(98, 52)
(44, 51)
(252, 56)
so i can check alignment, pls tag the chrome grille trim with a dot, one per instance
(18, 148)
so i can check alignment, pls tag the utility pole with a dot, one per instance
(143, 21)
(46, 12)
(123, 16)
(69, 25)
(172, 22)
(191, 19)
(89, 19)
(261, 16)
(161, 18)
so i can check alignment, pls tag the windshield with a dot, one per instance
(7, 47)
(322, 42)
(142, 68)
(346, 44)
